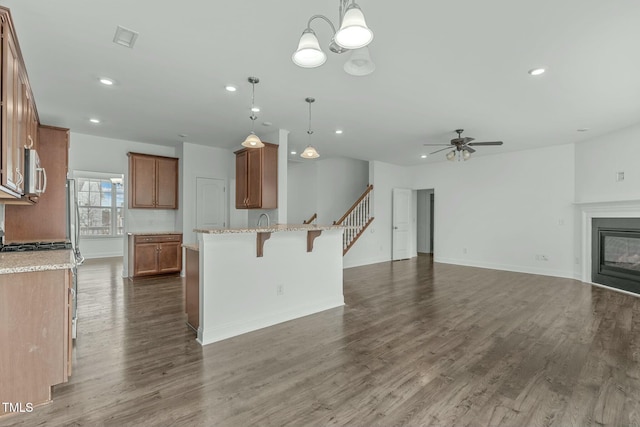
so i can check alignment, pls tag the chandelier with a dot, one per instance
(352, 35)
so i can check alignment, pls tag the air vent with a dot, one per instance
(125, 37)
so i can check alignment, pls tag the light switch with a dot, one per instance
(620, 176)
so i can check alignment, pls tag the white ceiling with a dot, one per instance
(441, 65)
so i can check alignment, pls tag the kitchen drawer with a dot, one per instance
(158, 238)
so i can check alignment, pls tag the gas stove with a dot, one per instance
(34, 246)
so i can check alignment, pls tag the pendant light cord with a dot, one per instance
(309, 131)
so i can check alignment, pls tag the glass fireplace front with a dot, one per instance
(616, 253)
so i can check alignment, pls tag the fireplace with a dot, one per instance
(616, 253)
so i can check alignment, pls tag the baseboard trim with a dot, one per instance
(508, 267)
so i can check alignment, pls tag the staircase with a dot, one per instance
(356, 220)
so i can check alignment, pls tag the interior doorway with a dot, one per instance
(425, 221)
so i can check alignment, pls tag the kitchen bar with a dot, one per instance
(251, 278)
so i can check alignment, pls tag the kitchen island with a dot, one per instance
(251, 278)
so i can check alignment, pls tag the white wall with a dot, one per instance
(204, 162)
(375, 244)
(340, 182)
(599, 160)
(327, 187)
(302, 190)
(96, 154)
(501, 211)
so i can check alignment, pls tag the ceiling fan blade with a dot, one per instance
(437, 145)
(442, 149)
(469, 149)
(486, 143)
(467, 140)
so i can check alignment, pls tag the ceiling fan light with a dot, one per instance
(360, 63)
(309, 54)
(353, 32)
(466, 155)
(451, 155)
(309, 153)
(252, 141)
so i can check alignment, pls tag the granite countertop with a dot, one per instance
(23, 262)
(269, 229)
(151, 233)
(191, 246)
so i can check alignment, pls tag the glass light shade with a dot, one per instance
(309, 54)
(451, 155)
(360, 63)
(466, 155)
(353, 33)
(309, 153)
(252, 141)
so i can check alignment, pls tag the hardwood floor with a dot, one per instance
(416, 344)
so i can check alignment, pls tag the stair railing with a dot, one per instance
(356, 220)
(310, 220)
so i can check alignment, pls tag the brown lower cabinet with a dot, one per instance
(152, 254)
(35, 332)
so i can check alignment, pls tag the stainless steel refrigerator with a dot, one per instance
(73, 236)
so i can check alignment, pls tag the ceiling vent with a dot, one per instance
(125, 37)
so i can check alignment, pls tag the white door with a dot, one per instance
(210, 203)
(401, 223)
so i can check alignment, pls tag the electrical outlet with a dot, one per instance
(541, 257)
(280, 290)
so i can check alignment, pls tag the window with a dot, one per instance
(100, 202)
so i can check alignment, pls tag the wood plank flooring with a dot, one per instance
(417, 343)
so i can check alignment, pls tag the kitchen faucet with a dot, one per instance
(260, 219)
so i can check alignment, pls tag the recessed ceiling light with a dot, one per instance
(338, 131)
(106, 81)
(583, 130)
(255, 109)
(424, 156)
(95, 121)
(266, 123)
(537, 71)
(231, 88)
(294, 152)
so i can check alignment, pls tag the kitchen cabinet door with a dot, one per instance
(10, 94)
(142, 180)
(241, 179)
(257, 177)
(169, 257)
(166, 183)
(145, 259)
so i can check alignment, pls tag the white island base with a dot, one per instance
(254, 278)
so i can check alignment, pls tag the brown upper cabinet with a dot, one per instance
(153, 181)
(257, 177)
(19, 115)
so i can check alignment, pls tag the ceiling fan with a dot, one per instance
(461, 146)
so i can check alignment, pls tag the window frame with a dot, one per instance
(113, 226)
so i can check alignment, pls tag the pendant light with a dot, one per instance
(252, 141)
(310, 152)
(353, 33)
